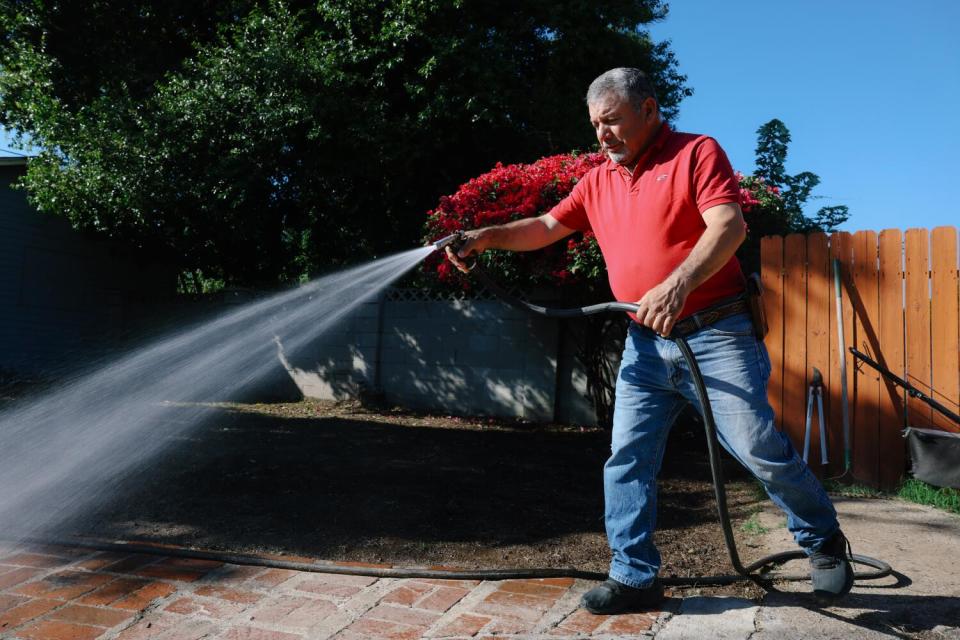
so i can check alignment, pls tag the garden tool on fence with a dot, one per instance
(847, 474)
(816, 390)
(934, 453)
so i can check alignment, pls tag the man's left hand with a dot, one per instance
(661, 306)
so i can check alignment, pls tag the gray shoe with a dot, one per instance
(615, 597)
(830, 569)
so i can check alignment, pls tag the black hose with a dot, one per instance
(713, 449)
(750, 572)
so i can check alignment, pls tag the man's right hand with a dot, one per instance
(472, 245)
(526, 234)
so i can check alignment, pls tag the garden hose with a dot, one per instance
(749, 572)
(753, 572)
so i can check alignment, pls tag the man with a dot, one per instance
(666, 214)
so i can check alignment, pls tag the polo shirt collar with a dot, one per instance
(658, 143)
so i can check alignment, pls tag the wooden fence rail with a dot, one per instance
(901, 306)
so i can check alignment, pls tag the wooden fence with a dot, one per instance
(900, 306)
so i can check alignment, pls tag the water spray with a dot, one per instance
(64, 419)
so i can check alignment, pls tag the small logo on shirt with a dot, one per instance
(662, 177)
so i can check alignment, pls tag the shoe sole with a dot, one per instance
(638, 607)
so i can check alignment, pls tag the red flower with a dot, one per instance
(508, 193)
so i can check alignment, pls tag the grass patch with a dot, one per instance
(853, 490)
(912, 490)
(752, 525)
(920, 492)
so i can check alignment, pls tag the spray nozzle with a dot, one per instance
(453, 240)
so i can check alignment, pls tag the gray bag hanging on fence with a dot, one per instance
(935, 456)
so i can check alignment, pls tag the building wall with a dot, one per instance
(63, 296)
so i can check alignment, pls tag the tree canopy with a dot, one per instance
(261, 141)
(773, 139)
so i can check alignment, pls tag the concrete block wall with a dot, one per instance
(462, 357)
(469, 357)
(341, 361)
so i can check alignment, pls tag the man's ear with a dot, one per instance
(650, 109)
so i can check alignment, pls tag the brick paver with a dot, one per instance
(52, 593)
(96, 616)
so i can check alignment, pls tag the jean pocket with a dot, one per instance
(764, 358)
(736, 325)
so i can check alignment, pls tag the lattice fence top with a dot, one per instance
(481, 294)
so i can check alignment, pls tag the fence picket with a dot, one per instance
(819, 290)
(944, 321)
(794, 337)
(771, 275)
(866, 395)
(917, 324)
(891, 443)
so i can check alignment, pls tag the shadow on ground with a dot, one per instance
(355, 488)
(891, 615)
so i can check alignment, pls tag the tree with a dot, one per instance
(773, 139)
(258, 141)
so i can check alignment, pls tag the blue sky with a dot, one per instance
(7, 147)
(870, 91)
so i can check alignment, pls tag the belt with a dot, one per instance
(710, 315)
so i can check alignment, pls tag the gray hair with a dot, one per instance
(628, 83)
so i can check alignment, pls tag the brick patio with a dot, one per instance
(67, 593)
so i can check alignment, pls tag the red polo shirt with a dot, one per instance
(648, 222)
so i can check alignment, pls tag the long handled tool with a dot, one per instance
(816, 391)
(911, 390)
(844, 407)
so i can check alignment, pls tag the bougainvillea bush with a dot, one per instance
(765, 214)
(516, 191)
(509, 193)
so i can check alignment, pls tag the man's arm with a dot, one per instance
(661, 305)
(528, 234)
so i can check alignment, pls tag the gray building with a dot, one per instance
(63, 296)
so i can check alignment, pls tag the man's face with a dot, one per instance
(623, 132)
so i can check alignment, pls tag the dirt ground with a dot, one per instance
(339, 482)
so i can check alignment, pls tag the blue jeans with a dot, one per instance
(653, 386)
